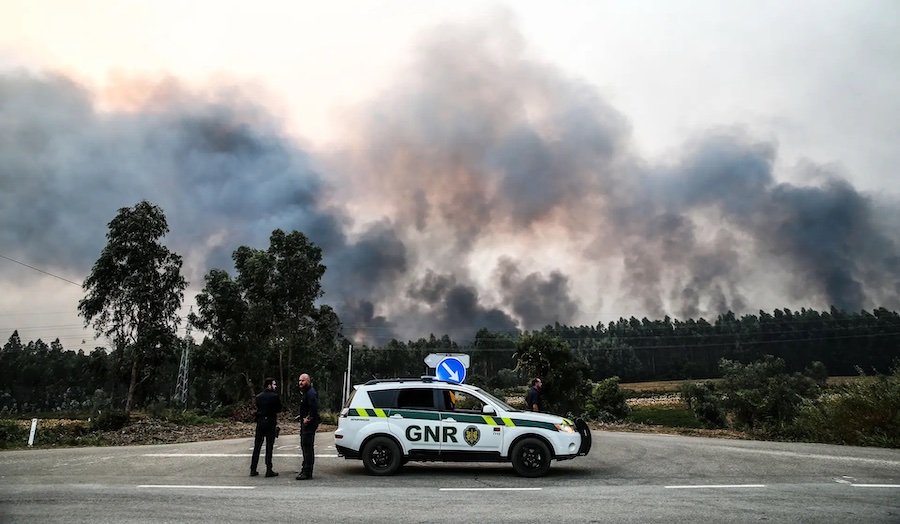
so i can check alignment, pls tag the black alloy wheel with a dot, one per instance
(381, 456)
(531, 458)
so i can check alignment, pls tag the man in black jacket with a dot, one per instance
(309, 421)
(268, 405)
(533, 400)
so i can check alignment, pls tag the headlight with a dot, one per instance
(565, 428)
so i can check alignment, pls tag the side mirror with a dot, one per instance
(488, 410)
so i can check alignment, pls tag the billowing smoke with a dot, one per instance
(224, 173)
(486, 189)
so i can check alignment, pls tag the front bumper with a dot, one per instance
(582, 428)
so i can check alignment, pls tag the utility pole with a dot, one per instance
(181, 383)
(348, 383)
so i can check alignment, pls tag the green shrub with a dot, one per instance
(704, 403)
(606, 402)
(762, 395)
(861, 413)
(12, 434)
(329, 417)
(245, 412)
(62, 433)
(668, 416)
(110, 421)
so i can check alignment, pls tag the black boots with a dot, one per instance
(271, 473)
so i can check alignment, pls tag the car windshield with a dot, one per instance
(497, 401)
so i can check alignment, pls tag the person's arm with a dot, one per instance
(314, 408)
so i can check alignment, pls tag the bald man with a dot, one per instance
(309, 421)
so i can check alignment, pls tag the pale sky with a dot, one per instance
(817, 81)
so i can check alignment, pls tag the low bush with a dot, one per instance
(606, 402)
(12, 434)
(329, 417)
(762, 396)
(109, 421)
(668, 416)
(704, 403)
(245, 412)
(864, 413)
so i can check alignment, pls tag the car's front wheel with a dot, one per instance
(531, 457)
(382, 456)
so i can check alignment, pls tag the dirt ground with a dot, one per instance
(155, 431)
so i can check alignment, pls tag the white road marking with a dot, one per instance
(490, 489)
(177, 486)
(175, 455)
(875, 485)
(716, 486)
(816, 456)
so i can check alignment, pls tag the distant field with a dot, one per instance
(673, 386)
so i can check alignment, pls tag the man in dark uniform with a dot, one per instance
(268, 405)
(309, 421)
(533, 400)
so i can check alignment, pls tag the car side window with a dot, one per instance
(415, 398)
(456, 400)
(384, 399)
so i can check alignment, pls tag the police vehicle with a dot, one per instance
(389, 422)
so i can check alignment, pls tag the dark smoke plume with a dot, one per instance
(488, 189)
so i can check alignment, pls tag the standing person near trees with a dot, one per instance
(268, 405)
(309, 421)
(533, 400)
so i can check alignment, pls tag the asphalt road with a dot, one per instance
(628, 477)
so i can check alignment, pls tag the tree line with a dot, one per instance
(266, 320)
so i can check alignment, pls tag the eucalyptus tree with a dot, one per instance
(135, 290)
(269, 309)
(564, 374)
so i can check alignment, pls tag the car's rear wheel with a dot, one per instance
(382, 456)
(531, 457)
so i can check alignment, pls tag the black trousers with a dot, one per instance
(264, 430)
(307, 445)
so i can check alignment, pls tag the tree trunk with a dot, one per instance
(286, 390)
(132, 385)
(281, 368)
(249, 385)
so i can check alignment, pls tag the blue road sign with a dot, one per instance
(451, 370)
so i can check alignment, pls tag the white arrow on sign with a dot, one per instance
(452, 374)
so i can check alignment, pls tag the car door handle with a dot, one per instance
(449, 420)
(397, 416)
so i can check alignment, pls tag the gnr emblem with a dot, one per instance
(472, 434)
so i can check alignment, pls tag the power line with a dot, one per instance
(39, 270)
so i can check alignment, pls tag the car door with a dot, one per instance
(416, 420)
(466, 430)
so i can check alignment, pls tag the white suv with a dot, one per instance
(389, 422)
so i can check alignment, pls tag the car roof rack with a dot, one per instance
(423, 378)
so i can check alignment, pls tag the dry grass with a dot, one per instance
(674, 386)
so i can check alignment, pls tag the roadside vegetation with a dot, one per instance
(759, 375)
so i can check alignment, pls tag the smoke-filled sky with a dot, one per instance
(462, 164)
